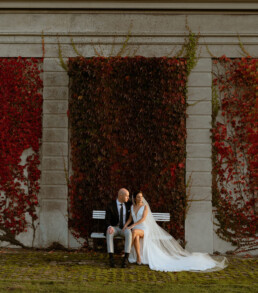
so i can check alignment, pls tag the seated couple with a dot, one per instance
(146, 242)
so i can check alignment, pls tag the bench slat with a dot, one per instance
(97, 235)
(165, 217)
(98, 217)
(101, 235)
(97, 214)
(162, 214)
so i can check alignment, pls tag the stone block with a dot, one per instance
(198, 164)
(53, 192)
(198, 121)
(53, 177)
(199, 227)
(199, 79)
(55, 79)
(199, 136)
(53, 64)
(55, 120)
(67, 51)
(8, 245)
(200, 179)
(54, 149)
(120, 23)
(74, 243)
(32, 23)
(55, 107)
(219, 244)
(200, 193)
(27, 152)
(199, 93)
(55, 134)
(53, 222)
(199, 108)
(203, 65)
(198, 150)
(26, 237)
(15, 50)
(223, 246)
(149, 23)
(55, 93)
(231, 51)
(149, 49)
(54, 163)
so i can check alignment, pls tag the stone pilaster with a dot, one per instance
(53, 202)
(199, 223)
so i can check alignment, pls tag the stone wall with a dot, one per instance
(156, 34)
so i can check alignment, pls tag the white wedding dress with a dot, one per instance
(161, 251)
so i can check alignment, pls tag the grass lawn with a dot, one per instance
(63, 271)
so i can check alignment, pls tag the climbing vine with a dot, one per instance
(20, 130)
(235, 141)
(127, 118)
(142, 149)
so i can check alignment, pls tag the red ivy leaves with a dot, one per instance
(235, 147)
(20, 129)
(127, 118)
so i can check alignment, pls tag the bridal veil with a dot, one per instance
(163, 253)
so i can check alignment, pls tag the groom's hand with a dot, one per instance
(110, 230)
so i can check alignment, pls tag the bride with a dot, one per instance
(152, 245)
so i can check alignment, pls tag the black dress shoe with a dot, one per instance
(112, 263)
(124, 263)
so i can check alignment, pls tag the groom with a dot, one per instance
(117, 213)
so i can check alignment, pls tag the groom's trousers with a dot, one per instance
(127, 234)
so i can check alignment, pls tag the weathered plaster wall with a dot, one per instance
(156, 34)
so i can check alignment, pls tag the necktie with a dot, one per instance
(121, 222)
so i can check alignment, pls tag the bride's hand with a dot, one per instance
(130, 227)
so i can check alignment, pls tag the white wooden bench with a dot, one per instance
(100, 215)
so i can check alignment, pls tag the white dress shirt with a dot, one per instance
(118, 203)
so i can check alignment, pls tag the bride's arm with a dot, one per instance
(144, 215)
(128, 222)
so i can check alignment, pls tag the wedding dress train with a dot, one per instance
(161, 251)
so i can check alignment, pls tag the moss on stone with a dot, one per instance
(63, 271)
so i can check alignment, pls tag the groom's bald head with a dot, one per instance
(123, 195)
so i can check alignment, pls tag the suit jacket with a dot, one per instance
(112, 216)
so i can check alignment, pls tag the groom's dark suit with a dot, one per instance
(112, 216)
